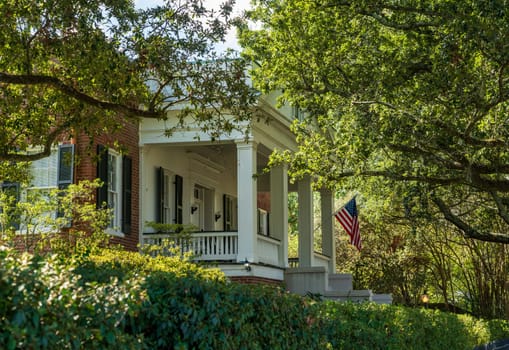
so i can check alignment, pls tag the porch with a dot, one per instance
(238, 208)
(222, 248)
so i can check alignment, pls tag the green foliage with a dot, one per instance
(414, 92)
(371, 326)
(44, 305)
(406, 253)
(177, 241)
(124, 300)
(63, 221)
(99, 265)
(88, 66)
(191, 307)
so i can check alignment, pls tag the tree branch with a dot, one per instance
(502, 209)
(468, 231)
(400, 177)
(431, 154)
(78, 95)
(46, 151)
(466, 137)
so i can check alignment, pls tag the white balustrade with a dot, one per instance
(268, 250)
(321, 260)
(211, 246)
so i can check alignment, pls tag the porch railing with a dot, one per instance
(210, 246)
(268, 250)
(319, 260)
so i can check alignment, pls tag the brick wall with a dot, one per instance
(256, 280)
(263, 201)
(86, 169)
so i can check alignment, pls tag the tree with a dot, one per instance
(85, 66)
(42, 222)
(414, 92)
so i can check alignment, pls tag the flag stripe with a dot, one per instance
(348, 218)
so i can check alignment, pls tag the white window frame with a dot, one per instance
(263, 223)
(115, 192)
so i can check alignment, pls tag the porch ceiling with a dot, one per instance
(224, 154)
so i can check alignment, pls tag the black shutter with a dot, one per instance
(178, 199)
(102, 174)
(160, 191)
(127, 169)
(268, 224)
(227, 213)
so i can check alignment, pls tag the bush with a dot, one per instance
(371, 326)
(44, 305)
(122, 300)
(189, 307)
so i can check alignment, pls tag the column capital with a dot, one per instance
(246, 144)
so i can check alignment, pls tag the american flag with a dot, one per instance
(349, 219)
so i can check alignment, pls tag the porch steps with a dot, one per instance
(338, 286)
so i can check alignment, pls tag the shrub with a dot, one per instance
(124, 300)
(44, 306)
(371, 326)
(189, 307)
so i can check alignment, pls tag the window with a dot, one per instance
(54, 171)
(164, 197)
(113, 185)
(127, 170)
(115, 172)
(44, 172)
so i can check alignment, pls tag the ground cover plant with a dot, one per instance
(113, 299)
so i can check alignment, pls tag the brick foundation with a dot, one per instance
(256, 280)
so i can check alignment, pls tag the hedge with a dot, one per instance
(119, 300)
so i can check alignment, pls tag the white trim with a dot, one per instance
(262, 271)
(116, 191)
(199, 161)
(114, 232)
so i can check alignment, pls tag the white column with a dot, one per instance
(305, 221)
(246, 201)
(278, 220)
(328, 241)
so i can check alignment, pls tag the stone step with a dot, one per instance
(349, 295)
(340, 281)
(382, 298)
